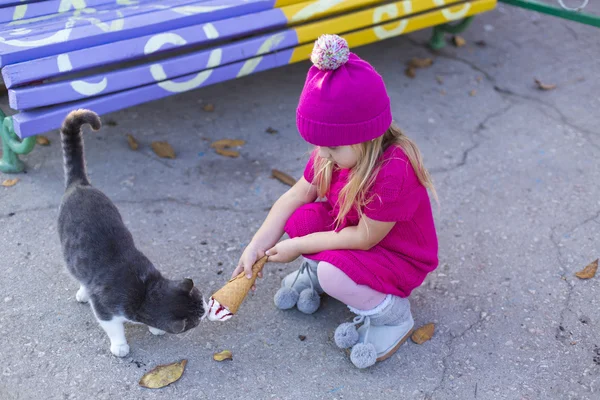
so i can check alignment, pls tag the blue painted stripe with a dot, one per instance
(130, 49)
(67, 91)
(31, 123)
(160, 21)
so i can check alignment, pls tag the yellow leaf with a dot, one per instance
(222, 356)
(163, 149)
(163, 375)
(227, 153)
(589, 271)
(209, 107)
(283, 177)
(544, 86)
(420, 62)
(423, 334)
(225, 143)
(458, 41)
(410, 72)
(133, 144)
(10, 182)
(42, 140)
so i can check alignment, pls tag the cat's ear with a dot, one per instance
(177, 326)
(187, 285)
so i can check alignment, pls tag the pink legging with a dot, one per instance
(339, 285)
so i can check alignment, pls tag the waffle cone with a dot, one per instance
(234, 292)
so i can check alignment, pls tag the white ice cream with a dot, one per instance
(217, 312)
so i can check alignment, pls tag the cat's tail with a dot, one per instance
(72, 145)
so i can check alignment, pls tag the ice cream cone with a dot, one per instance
(234, 292)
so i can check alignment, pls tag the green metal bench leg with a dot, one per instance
(12, 147)
(438, 39)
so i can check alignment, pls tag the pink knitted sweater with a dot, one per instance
(400, 262)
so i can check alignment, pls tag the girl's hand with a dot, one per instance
(284, 251)
(250, 255)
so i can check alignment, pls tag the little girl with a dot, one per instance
(370, 239)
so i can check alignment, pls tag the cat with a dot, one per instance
(118, 281)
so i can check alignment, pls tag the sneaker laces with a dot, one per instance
(366, 321)
(304, 267)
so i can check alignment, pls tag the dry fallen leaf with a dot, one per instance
(302, 338)
(163, 149)
(224, 143)
(589, 271)
(10, 182)
(42, 140)
(410, 72)
(209, 107)
(222, 356)
(544, 86)
(472, 92)
(163, 375)
(133, 144)
(423, 334)
(283, 177)
(227, 153)
(458, 41)
(271, 131)
(420, 62)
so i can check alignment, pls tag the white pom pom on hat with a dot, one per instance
(330, 52)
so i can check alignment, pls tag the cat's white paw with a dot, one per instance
(155, 331)
(82, 295)
(119, 350)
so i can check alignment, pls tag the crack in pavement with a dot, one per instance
(14, 213)
(450, 344)
(143, 202)
(476, 143)
(562, 117)
(441, 54)
(560, 330)
(189, 204)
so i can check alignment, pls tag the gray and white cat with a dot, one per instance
(118, 281)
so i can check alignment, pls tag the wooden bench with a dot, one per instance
(109, 55)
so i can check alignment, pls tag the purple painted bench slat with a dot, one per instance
(5, 3)
(36, 122)
(105, 83)
(46, 8)
(130, 49)
(106, 13)
(159, 21)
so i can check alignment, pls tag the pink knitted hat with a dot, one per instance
(344, 100)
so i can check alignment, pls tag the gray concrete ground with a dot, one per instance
(516, 169)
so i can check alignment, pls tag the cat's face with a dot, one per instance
(177, 307)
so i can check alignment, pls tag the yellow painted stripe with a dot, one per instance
(376, 33)
(321, 8)
(283, 3)
(362, 19)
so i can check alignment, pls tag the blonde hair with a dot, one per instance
(363, 174)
